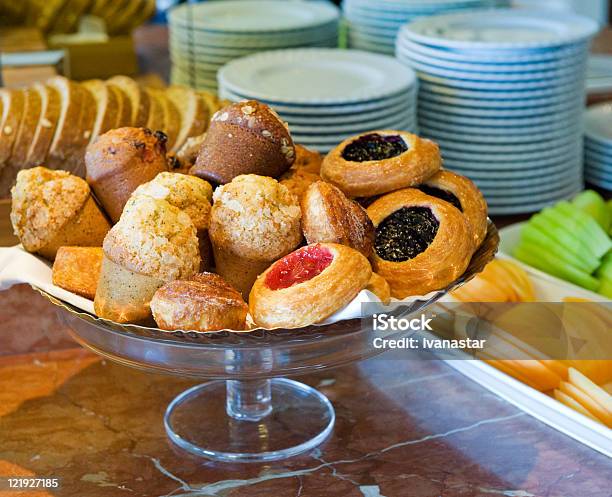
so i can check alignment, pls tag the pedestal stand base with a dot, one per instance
(300, 418)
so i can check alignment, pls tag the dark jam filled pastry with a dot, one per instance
(379, 162)
(464, 195)
(422, 243)
(308, 285)
(328, 216)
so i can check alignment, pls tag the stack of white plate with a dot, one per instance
(373, 24)
(598, 145)
(203, 37)
(326, 95)
(502, 92)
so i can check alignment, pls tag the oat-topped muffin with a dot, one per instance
(54, 208)
(154, 238)
(245, 138)
(190, 194)
(254, 221)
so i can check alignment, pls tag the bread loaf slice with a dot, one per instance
(172, 119)
(45, 128)
(138, 97)
(87, 118)
(27, 129)
(68, 134)
(193, 111)
(123, 116)
(13, 102)
(107, 107)
(155, 120)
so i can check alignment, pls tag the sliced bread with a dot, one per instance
(45, 128)
(68, 134)
(155, 119)
(138, 97)
(107, 107)
(31, 116)
(123, 117)
(172, 119)
(193, 111)
(13, 102)
(87, 118)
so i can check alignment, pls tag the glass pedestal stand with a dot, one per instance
(250, 412)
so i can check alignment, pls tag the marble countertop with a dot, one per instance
(404, 428)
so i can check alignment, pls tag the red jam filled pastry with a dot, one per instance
(422, 243)
(308, 285)
(379, 162)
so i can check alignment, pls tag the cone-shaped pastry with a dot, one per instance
(119, 161)
(254, 221)
(190, 194)
(51, 209)
(244, 138)
(153, 243)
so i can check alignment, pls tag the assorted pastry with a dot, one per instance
(252, 230)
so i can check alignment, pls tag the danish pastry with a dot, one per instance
(422, 243)
(254, 221)
(379, 162)
(77, 270)
(379, 287)
(244, 138)
(204, 302)
(51, 209)
(463, 194)
(328, 216)
(308, 285)
(304, 171)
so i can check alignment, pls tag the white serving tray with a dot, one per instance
(535, 403)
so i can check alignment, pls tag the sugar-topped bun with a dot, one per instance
(254, 221)
(244, 138)
(204, 302)
(154, 238)
(55, 208)
(190, 194)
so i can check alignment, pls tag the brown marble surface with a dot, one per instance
(404, 428)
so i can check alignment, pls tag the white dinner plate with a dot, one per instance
(260, 16)
(502, 29)
(493, 104)
(598, 123)
(509, 160)
(335, 139)
(386, 122)
(597, 146)
(491, 173)
(508, 152)
(312, 76)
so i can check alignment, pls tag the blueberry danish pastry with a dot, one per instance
(422, 243)
(463, 194)
(379, 162)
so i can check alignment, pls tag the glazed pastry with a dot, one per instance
(120, 160)
(304, 171)
(308, 286)
(463, 194)
(379, 287)
(204, 302)
(153, 243)
(54, 208)
(190, 194)
(422, 243)
(244, 138)
(254, 221)
(77, 269)
(379, 162)
(328, 216)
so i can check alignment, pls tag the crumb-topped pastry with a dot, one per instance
(120, 160)
(204, 302)
(54, 208)
(244, 138)
(379, 162)
(328, 216)
(464, 195)
(422, 243)
(308, 285)
(254, 221)
(153, 243)
(190, 194)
